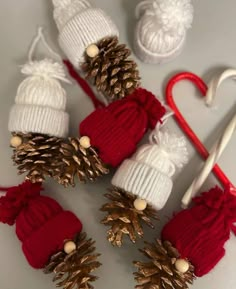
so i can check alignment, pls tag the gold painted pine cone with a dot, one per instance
(112, 71)
(160, 272)
(123, 218)
(73, 271)
(37, 155)
(78, 161)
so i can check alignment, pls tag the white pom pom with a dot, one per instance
(46, 68)
(174, 148)
(175, 16)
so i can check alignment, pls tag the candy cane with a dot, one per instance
(220, 145)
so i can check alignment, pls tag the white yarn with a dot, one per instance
(161, 30)
(220, 145)
(80, 25)
(41, 100)
(46, 68)
(148, 173)
(172, 16)
(65, 10)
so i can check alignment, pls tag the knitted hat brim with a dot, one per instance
(49, 239)
(38, 119)
(144, 181)
(148, 56)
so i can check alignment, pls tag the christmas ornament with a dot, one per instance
(89, 38)
(51, 237)
(114, 74)
(161, 30)
(114, 131)
(142, 185)
(38, 121)
(200, 232)
(39, 126)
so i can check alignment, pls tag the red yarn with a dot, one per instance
(41, 223)
(183, 123)
(199, 233)
(116, 130)
(16, 199)
(83, 84)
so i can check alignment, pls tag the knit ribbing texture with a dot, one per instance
(161, 30)
(116, 129)
(199, 233)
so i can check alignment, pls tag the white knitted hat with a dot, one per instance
(40, 100)
(148, 173)
(80, 25)
(161, 30)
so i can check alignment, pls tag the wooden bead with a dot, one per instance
(140, 204)
(69, 247)
(85, 142)
(182, 265)
(92, 50)
(16, 141)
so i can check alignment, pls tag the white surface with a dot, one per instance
(210, 47)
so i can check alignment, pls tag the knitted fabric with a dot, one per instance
(199, 233)
(116, 129)
(161, 30)
(148, 173)
(40, 101)
(41, 224)
(79, 26)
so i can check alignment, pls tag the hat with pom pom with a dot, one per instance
(40, 102)
(80, 25)
(41, 223)
(161, 30)
(148, 173)
(116, 129)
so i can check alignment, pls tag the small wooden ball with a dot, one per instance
(16, 141)
(140, 204)
(85, 142)
(92, 50)
(182, 265)
(69, 247)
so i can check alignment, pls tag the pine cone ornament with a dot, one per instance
(36, 154)
(114, 74)
(165, 270)
(73, 268)
(124, 218)
(78, 160)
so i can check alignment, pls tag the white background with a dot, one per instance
(211, 47)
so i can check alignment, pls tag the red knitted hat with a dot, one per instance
(116, 129)
(41, 223)
(199, 233)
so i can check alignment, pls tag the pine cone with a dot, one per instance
(160, 272)
(73, 271)
(37, 155)
(85, 163)
(113, 73)
(124, 218)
